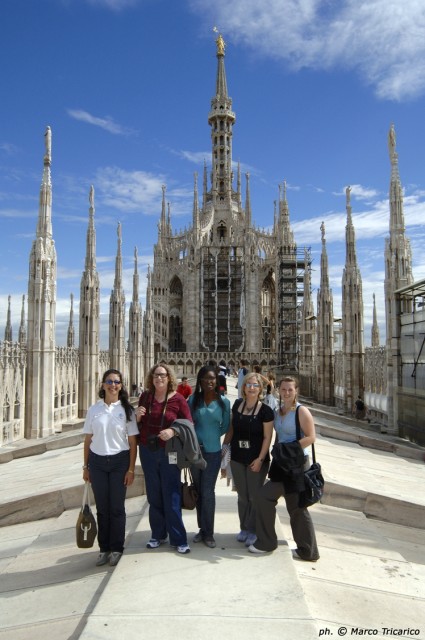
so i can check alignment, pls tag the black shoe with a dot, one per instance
(209, 542)
(297, 556)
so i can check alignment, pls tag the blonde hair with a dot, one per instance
(257, 376)
(172, 380)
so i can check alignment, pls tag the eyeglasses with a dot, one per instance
(252, 385)
(112, 382)
(160, 375)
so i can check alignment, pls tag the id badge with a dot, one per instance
(172, 457)
(244, 444)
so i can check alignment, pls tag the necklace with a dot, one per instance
(249, 410)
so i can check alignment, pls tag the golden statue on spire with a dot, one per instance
(221, 45)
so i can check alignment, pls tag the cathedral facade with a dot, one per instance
(224, 288)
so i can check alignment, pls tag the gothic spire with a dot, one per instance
(350, 238)
(39, 413)
(248, 214)
(204, 187)
(117, 313)
(163, 220)
(195, 221)
(135, 331)
(399, 253)
(44, 225)
(8, 328)
(135, 278)
(239, 190)
(286, 236)
(169, 229)
(118, 260)
(89, 320)
(22, 337)
(221, 83)
(325, 330)
(221, 118)
(352, 316)
(375, 326)
(71, 331)
(90, 262)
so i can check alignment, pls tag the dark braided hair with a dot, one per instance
(122, 394)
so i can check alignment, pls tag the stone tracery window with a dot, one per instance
(268, 314)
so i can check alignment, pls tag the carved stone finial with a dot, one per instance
(48, 144)
(348, 194)
(391, 140)
(91, 197)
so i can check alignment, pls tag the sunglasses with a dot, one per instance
(160, 375)
(252, 385)
(112, 382)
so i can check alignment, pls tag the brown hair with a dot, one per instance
(172, 380)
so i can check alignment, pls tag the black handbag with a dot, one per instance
(189, 492)
(314, 482)
(86, 528)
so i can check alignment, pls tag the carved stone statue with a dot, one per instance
(91, 197)
(391, 140)
(48, 143)
(347, 195)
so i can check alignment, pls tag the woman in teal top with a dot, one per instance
(211, 417)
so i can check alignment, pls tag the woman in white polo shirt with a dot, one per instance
(110, 450)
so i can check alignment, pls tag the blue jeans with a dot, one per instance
(163, 490)
(205, 484)
(107, 475)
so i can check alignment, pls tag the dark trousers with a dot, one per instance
(107, 475)
(163, 491)
(300, 520)
(247, 484)
(205, 484)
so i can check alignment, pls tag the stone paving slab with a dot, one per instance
(371, 575)
(48, 586)
(209, 593)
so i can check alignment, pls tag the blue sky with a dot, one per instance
(126, 86)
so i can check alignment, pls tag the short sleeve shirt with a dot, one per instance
(248, 429)
(109, 428)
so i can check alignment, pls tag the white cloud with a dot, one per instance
(106, 122)
(17, 213)
(359, 192)
(140, 191)
(380, 39)
(197, 157)
(9, 149)
(129, 191)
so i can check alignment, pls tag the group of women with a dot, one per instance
(113, 430)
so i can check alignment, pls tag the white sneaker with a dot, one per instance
(253, 549)
(154, 543)
(183, 548)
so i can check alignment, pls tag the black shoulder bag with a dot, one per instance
(313, 479)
